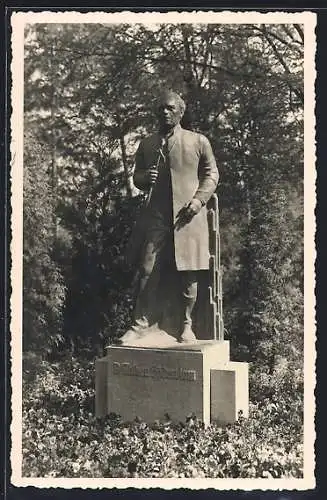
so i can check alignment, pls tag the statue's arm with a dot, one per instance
(208, 172)
(140, 177)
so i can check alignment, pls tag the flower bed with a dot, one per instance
(62, 438)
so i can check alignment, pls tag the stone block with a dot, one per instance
(177, 380)
(229, 392)
(149, 382)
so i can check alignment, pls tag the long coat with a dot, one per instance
(193, 173)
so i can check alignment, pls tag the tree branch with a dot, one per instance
(300, 31)
(264, 31)
(297, 91)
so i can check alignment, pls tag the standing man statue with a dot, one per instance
(178, 170)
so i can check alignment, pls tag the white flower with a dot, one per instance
(87, 465)
(52, 440)
(76, 466)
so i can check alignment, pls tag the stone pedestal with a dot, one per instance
(177, 380)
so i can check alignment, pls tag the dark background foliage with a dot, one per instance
(89, 97)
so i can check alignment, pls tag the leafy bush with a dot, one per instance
(99, 296)
(62, 438)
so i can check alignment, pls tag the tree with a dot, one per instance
(43, 287)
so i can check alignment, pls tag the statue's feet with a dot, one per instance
(137, 331)
(188, 336)
(152, 336)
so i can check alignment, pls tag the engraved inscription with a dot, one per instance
(157, 372)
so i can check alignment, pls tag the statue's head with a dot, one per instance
(170, 110)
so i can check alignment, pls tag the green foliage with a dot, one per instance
(62, 438)
(90, 93)
(43, 286)
(271, 303)
(100, 296)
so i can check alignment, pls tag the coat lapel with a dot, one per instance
(169, 144)
(175, 137)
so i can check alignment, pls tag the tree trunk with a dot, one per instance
(128, 178)
(54, 181)
(188, 69)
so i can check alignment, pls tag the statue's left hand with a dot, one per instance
(187, 213)
(193, 207)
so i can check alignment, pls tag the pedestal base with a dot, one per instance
(229, 392)
(177, 380)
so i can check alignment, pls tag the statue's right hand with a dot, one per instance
(152, 174)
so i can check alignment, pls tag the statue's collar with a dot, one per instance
(175, 131)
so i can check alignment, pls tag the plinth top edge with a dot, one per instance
(200, 345)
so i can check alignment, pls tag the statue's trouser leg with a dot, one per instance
(189, 292)
(145, 309)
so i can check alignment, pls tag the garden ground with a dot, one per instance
(62, 438)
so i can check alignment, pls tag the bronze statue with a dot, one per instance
(178, 170)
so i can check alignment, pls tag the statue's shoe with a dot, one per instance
(140, 324)
(188, 336)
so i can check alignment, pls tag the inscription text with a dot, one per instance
(157, 372)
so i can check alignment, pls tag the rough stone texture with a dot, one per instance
(229, 392)
(151, 382)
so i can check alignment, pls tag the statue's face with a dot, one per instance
(169, 113)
